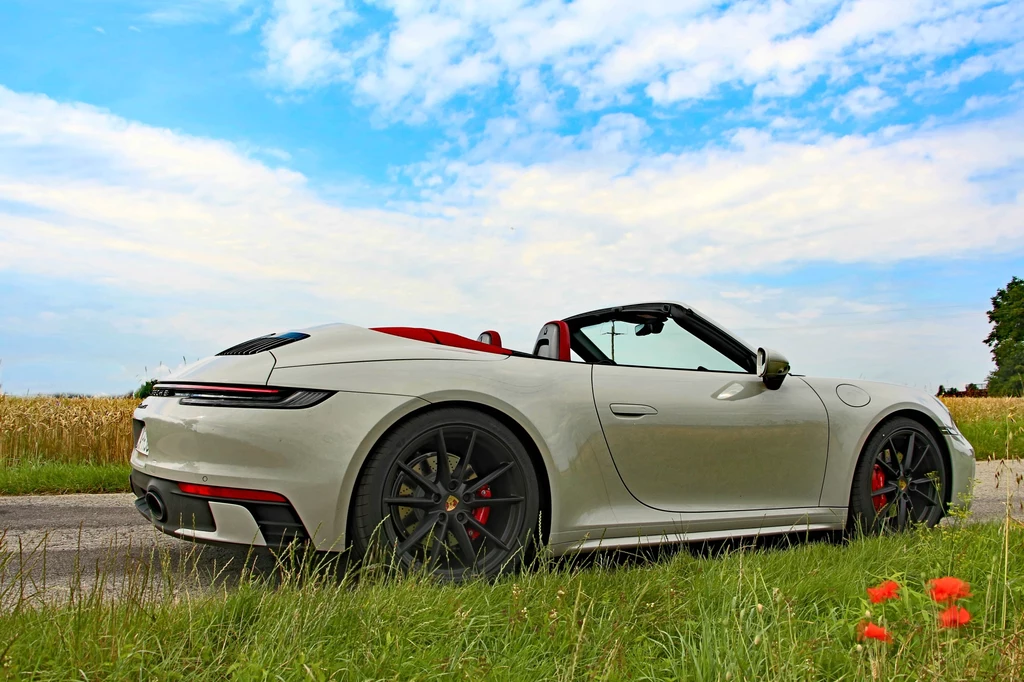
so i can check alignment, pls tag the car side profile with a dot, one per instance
(626, 426)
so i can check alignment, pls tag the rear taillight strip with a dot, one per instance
(227, 395)
(230, 493)
(220, 389)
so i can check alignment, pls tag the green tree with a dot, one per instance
(144, 390)
(1007, 340)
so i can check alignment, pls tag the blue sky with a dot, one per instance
(839, 179)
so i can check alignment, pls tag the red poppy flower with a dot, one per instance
(954, 617)
(871, 631)
(947, 590)
(887, 590)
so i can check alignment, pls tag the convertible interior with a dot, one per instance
(559, 339)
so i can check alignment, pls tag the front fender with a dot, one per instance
(850, 427)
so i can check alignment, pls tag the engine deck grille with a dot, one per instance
(263, 343)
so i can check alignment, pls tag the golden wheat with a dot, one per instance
(73, 430)
(99, 430)
(966, 410)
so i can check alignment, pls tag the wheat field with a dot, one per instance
(994, 426)
(98, 430)
(65, 430)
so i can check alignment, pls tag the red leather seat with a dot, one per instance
(553, 341)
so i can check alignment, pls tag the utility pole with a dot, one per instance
(613, 334)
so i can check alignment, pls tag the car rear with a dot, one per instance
(221, 455)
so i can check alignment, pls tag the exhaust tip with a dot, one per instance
(156, 507)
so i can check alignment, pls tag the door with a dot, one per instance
(691, 431)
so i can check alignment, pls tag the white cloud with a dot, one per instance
(1008, 61)
(193, 11)
(980, 102)
(864, 102)
(94, 198)
(297, 39)
(608, 52)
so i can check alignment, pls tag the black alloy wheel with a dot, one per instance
(453, 492)
(900, 480)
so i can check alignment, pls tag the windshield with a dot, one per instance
(655, 343)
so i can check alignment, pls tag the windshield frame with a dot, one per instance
(705, 331)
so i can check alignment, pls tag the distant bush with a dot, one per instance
(144, 390)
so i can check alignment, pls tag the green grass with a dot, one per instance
(36, 478)
(990, 438)
(781, 614)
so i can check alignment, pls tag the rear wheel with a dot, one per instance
(900, 479)
(452, 491)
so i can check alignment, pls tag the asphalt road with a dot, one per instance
(51, 544)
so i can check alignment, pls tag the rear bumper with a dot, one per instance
(310, 456)
(192, 517)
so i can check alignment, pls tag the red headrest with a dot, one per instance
(490, 337)
(553, 341)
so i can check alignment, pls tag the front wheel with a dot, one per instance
(452, 491)
(900, 479)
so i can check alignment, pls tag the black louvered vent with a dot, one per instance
(253, 346)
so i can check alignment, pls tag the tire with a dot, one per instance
(900, 480)
(472, 513)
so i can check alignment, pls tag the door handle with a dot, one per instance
(631, 410)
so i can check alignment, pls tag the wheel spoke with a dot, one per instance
(488, 534)
(443, 474)
(463, 467)
(421, 531)
(439, 541)
(926, 493)
(481, 482)
(890, 488)
(901, 512)
(886, 508)
(492, 501)
(410, 501)
(896, 454)
(911, 509)
(887, 465)
(921, 459)
(420, 479)
(466, 551)
(908, 458)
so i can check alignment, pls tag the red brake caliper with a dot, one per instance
(481, 514)
(877, 483)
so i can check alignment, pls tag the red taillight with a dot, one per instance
(230, 493)
(218, 389)
(226, 395)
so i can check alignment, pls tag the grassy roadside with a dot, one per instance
(994, 426)
(52, 445)
(782, 614)
(46, 478)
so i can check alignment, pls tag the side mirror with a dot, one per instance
(772, 367)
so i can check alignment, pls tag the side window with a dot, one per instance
(671, 348)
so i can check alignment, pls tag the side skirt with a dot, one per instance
(710, 527)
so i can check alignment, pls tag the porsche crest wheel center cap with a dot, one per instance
(903, 484)
(451, 503)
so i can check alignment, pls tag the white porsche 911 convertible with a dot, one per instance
(633, 425)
